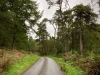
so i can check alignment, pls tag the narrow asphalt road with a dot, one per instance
(44, 66)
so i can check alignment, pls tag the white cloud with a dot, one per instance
(48, 13)
(72, 3)
(50, 29)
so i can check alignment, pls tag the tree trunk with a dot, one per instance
(81, 42)
(63, 29)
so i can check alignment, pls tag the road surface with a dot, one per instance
(44, 66)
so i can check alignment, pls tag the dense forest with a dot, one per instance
(76, 36)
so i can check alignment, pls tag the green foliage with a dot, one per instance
(68, 68)
(32, 45)
(13, 18)
(59, 47)
(88, 63)
(51, 44)
(42, 35)
(83, 17)
(75, 27)
(21, 65)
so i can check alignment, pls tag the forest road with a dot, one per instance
(44, 66)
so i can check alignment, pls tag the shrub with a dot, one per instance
(4, 63)
(90, 64)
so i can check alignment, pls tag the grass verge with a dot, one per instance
(21, 65)
(68, 68)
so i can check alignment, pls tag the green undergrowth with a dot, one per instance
(67, 67)
(20, 66)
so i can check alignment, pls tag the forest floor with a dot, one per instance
(44, 66)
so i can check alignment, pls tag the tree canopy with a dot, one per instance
(13, 18)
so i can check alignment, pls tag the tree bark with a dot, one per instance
(81, 41)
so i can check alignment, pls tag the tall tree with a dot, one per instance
(83, 16)
(42, 35)
(61, 25)
(16, 14)
(63, 37)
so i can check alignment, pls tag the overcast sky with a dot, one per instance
(48, 13)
